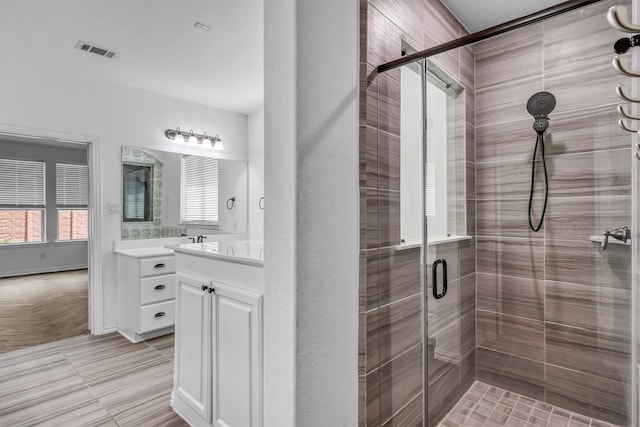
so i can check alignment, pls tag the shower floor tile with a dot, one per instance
(486, 405)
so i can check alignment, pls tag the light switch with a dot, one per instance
(114, 208)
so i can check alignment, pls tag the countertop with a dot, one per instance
(249, 252)
(144, 252)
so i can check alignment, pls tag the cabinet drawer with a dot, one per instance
(157, 265)
(156, 316)
(157, 288)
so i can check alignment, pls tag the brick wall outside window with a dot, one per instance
(20, 226)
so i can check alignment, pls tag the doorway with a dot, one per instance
(45, 239)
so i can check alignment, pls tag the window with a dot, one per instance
(438, 133)
(72, 199)
(445, 189)
(199, 204)
(22, 201)
(137, 192)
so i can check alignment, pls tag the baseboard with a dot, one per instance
(135, 337)
(43, 270)
(108, 329)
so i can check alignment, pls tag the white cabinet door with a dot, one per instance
(192, 378)
(237, 357)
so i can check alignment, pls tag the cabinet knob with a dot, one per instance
(204, 287)
(161, 314)
(159, 287)
(211, 290)
(159, 265)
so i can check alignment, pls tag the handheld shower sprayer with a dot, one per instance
(539, 106)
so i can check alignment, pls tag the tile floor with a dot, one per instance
(89, 381)
(485, 405)
(108, 381)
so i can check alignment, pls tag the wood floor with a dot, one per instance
(89, 381)
(41, 308)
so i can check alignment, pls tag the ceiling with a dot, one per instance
(479, 15)
(159, 49)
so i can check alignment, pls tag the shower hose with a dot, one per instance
(539, 141)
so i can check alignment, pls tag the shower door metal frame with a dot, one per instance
(635, 243)
(532, 18)
(423, 253)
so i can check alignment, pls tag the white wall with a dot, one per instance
(312, 212)
(232, 177)
(36, 97)
(256, 173)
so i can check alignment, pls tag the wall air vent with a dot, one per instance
(95, 49)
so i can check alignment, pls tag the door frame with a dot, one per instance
(95, 289)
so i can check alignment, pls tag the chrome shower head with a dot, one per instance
(539, 106)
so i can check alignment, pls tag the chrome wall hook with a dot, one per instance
(625, 114)
(625, 127)
(623, 68)
(619, 19)
(622, 95)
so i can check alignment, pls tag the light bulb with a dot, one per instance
(192, 138)
(219, 146)
(178, 136)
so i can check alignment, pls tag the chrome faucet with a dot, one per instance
(623, 234)
(201, 238)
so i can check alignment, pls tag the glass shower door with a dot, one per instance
(537, 326)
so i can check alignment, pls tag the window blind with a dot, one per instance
(199, 190)
(22, 183)
(72, 185)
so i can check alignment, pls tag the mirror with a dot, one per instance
(168, 194)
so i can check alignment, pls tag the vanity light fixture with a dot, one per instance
(176, 134)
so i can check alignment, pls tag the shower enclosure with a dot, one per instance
(469, 316)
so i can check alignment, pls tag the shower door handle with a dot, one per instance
(434, 276)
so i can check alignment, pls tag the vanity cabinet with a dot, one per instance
(218, 343)
(146, 293)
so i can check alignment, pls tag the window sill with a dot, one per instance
(416, 243)
(22, 244)
(409, 244)
(449, 239)
(40, 244)
(204, 226)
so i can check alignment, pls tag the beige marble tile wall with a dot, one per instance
(391, 376)
(553, 310)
